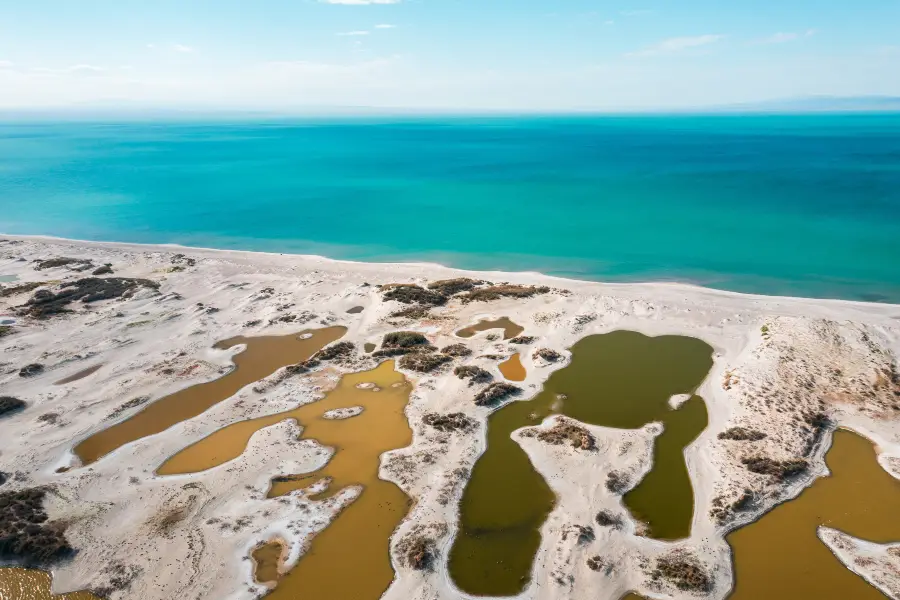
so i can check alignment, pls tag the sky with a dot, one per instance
(521, 55)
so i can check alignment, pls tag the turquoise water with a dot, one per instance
(796, 205)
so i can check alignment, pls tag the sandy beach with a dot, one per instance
(786, 373)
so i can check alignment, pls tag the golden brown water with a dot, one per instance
(510, 329)
(76, 376)
(512, 369)
(780, 556)
(31, 584)
(264, 355)
(267, 559)
(349, 560)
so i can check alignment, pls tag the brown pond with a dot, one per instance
(263, 356)
(79, 375)
(31, 584)
(510, 329)
(267, 559)
(356, 310)
(780, 557)
(350, 558)
(512, 369)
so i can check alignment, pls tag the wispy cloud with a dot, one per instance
(783, 37)
(6, 64)
(675, 45)
(352, 33)
(385, 26)
(358, 2)
(182, 48)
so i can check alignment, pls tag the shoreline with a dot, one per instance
(729, 321)
(249, 254)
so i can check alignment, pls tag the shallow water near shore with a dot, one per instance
(510, 329)
(780, 557)
(600, 198)
(267, 559)
(263, 356)
(328, 570)
(31, 584)
(621, 379)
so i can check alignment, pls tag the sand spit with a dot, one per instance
(788, 369)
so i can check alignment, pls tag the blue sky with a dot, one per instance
(443, 54)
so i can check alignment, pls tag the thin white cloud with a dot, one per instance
(782, 37)
(609, 22)
(360, 2)
(182, 48)
(385, 26)
(352, 33)
(676, 45)
(6, 64)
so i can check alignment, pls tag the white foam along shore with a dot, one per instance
(160, 341)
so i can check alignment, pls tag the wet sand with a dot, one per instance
(79, 375)
(506, 501)
(510, 329)
(780, 557)
(32, 584)
(263, 356)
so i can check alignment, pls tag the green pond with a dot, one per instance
(621, 379)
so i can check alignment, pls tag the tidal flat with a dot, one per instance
(761, 383)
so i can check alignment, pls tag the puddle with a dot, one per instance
(31, 584)
(621, 379)
(779, 557)
(512, 369)
(267, 559)
(328, 571)
(7, 279)
(368, 348)
(79, 375)
(264, 355)
(356, 310)
(510, 329)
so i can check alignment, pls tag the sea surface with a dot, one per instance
(803, 205)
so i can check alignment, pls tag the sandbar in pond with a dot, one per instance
(621, 379)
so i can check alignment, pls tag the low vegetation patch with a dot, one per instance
(9, 405)
(617, 482)
(414, 312)
(472, 373)
(403, 339)
(22, 288)
(423, 362)
(565, 432)
(547, 354)
(62, 261)
(742, 434)
(5, 330)
(495, 292)
(495, 392)
(684, 571)
(451, 287)
(607, 518)
(457, 350)
(450, 422)
(31, 370)
(102, 270)
(408, 293)
(522, 339)
(44, 303)
(779, 470)
(336, 352)
(26, 535)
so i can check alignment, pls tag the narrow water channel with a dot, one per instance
(263, 356)
(510, 329)
(32, 584)
(350, 558)
(780, 557)
(621, 379)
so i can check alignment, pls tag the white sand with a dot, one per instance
(812, 350)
